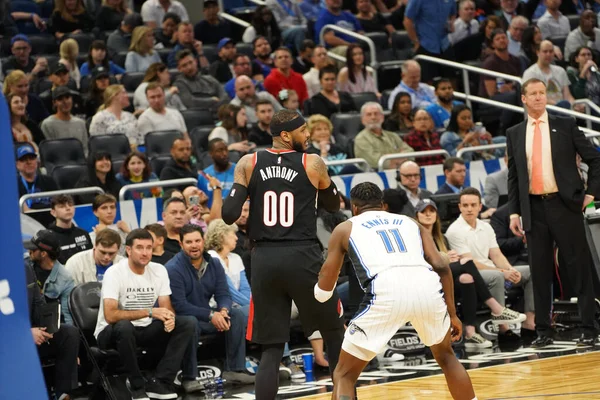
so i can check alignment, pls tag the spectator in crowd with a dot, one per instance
(242, 244)
(261, 48)
(186, 41)
(400, 119)
(441, 110)
(141, 54)
(120, 40)
(91, 265)
(356, 77)
(496, 185)
(62, 345)
(59, 76)
(466, 24)
(195, 277)
(137, 169)
(461, 133)
(329, 100)
(487, 27)
(159, 117)
(289, 100)
(111, 14)
(311, 9)
(105, 209)
(71, 238)
(221, 69)
(243, 66)
(23, 129)
(334, 15)
(554, 77)
(373, 142)
(69, 50)
(260, 134)
(291, 22)
(580, 71)
(99, 173)
(63, 124)
(302, 63)
(97, 57)
(247, 97)
(127, 320)
(372, 21)
(474, 239)
(263, 25)
(95, 96)
(427, 25)
(198, 210)
(409, 180)
(587, 34)
(320, 129)
(8, 19)
(154, 11)
(166, 34)
(159, 235)
(212, 27)
(513, 247)
(455, 172)
(174, 217)
(515, 34)
(423, 138)
(319, 60)
(69, 16)
(180, 165)
(113, 119)
(232, 128)
(158, 73)
(30, 180)
(283, 77)
(17, 83)
(221, 169)
(553, 23)
(421, 95)
(197, 90)
(511, 8)
(530, 44)
(21, 59)
(467, 278)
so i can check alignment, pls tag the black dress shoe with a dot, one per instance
(587, 339)
(528, 335)
(508, 336)
(542, 341)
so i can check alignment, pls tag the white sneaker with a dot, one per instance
(477, 342)
(508, 316)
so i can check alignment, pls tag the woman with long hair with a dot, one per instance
(400, 119)
(111, 14)
(232, 128)
(17, 82)
(423, 137)
(356, 77)
(95, 96)
(486, 28)
(137, 169)
(141, 53)
(98, 57)
(158, 72)
(579, 71)
(467, 279)
(69, 16)
(23, 129)
(329, 100)
(112, 118)
(69, 50)
(99, 173)
(263, 24)
(530, 43)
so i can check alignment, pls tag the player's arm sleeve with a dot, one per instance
(330, 199)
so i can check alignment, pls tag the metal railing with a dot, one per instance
(589, 105)
(349, 161)
(258, 2)
(367, 40)
(149, 185)
(464, 150)
(235, 20)
(414, 154)
(38, 195)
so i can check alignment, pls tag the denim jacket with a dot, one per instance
(58, 286)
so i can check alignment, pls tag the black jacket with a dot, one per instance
(510, 245)
(72, 241)
(35, 299)
(172, 170)
(112, 186)
(220, 71)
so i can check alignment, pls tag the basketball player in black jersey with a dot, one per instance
(283, 184)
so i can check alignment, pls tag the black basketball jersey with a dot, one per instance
(283, 201)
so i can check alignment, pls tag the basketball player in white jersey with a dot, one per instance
(399, 268)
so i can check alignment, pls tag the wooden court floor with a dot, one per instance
(574, 377)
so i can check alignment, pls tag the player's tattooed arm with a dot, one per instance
(320, 170)
(239, 174)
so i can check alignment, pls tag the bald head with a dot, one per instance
(545, 53)
(410, 175)
(244, 88)
(411, 74)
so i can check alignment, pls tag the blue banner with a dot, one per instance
(20, 371)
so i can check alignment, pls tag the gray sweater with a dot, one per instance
(201, 91)
(55, 128)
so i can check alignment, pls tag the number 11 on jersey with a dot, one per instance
(387, 242)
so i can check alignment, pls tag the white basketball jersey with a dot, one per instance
(380, 240)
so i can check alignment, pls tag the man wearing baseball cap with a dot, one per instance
(53, 279)
(59, 76)
(29, 180)
(212, 28)
(222, 68)
(62, 124)
(21, 59)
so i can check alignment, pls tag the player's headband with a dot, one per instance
(288, 126)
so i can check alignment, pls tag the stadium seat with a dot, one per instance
(559, 41)
(382, 46)
(245, 48)
(199, 137)
(210, 52)
(174, 74)
(574, 21)
(131, 80)
(117, 164)
(164, 53)
(84, 40)
(195, 118)
(158, 163)
(402, 45)
(57, 152)
(389, 75)
(385, 97)
(346, 125)
(159, 143)
(119, 58)
(117, 145)
(43, 44)
(362, 98)
(66, 176)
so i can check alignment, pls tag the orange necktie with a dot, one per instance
(537, 175)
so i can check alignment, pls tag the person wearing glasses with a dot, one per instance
(409, 179)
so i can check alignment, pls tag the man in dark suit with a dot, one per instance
(513, 247)
(455, 172)
(546, 191)
(512, 8)
(409, 180)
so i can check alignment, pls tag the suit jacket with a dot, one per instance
(525, 9)
(510, 245)
(496, 184)
(445, 189)
(567, 141)
(409, 209)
